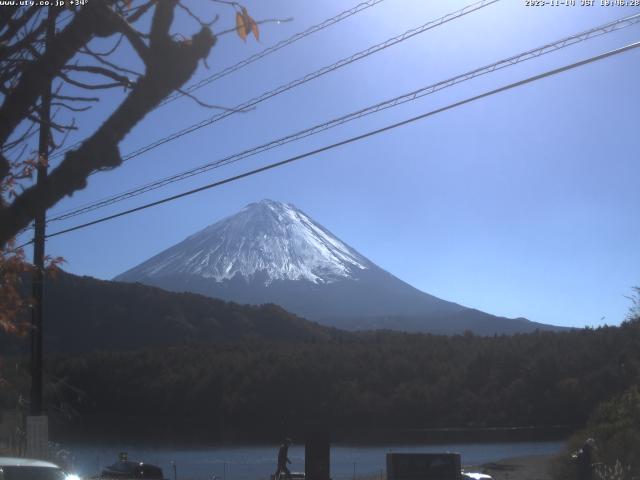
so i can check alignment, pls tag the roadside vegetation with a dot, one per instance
(614, 425)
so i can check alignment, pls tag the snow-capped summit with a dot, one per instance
(273, 239)
(271, 252)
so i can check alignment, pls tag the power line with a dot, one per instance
(411, 96)
(254, 58)
(274, 48)
(322, 71)
(311, 76)
(356, 138)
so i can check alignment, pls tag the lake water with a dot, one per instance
(258, 462)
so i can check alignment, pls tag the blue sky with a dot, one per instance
(521, 204)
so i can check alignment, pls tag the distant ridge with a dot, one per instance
(272, 252)
(85, 314)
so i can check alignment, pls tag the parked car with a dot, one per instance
(475, 476)
(15, 468)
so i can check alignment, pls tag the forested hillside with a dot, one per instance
(136, 360)
(83, 314)
(380, 379)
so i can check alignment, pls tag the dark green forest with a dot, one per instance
(135, 362)
(374, 380)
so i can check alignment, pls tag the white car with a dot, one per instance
(475, 476)
(14, 468)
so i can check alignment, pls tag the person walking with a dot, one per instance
(585, 460)
(283, 460)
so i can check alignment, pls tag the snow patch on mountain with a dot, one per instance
(267, 238)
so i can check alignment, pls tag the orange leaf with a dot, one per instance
(247, 20)
(254, 29)
(241, 26)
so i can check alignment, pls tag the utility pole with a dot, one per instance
(37, 424)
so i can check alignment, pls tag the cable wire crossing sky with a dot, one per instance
(352, 139)
(517, 197)
(411, 96)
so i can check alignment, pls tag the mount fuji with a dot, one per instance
(272, 252)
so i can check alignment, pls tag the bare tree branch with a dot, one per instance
(39, 74)
(14, 26)
(91, 86)
(29, 39)
(126, 81)
(140, 11)
(23, 137)
(202, 23)
(76, 99)
(108, 52)
(133, 36)
(87, 51)
(208, 105)
(169, 64)
(54, 125)
(69, 107)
